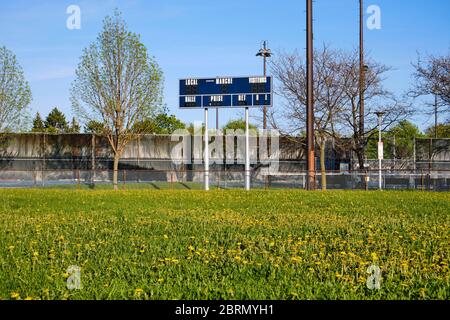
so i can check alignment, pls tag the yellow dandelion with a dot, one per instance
(374, 256)
(15, 295)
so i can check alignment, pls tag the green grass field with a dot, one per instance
(139, 244)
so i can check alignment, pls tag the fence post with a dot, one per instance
(124, 177)
(218, 178)
(421, 180)
(366, 181)
(78, 179)
(43, 159)
(138, 157)
(93, 159)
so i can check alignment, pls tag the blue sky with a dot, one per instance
(204, 38)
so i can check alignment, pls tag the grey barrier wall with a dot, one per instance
(45, 159)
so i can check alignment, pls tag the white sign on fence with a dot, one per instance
(380, 151)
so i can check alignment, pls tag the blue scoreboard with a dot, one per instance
(225, 92)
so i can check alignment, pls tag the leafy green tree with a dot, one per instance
(161, 124)
(38, 124)
(238, 125)
(94, 127)
(74, 126)
(402, 134)
(117, 84)
(56, 122)
(15, 93)
(443, 130)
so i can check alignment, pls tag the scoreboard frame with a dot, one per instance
(230, 98)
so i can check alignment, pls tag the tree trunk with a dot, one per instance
(323, 171)
(360, 154)
(116, 171)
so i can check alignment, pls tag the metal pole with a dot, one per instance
(93, 157)
(395, 152)
(217, 118)
(362, 79)
(247, 152)
(414, 153)
(435, 116)
(310, 98)
(265, 72)
(206, 151)
(380, 186)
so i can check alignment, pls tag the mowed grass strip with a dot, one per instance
(223, 244)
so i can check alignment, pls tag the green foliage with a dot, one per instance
(224, 244)
(117, 83)
(238, 125)
(38, 124)
(74, 126)
(15, 93)
(443, 131)
(56, 122)
(95, 91)
(404, 133)
(161, 124)
(95, 127)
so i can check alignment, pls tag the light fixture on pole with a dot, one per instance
(380, 115)
(265, 53)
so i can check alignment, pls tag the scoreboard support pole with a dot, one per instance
(206, 177)
(247, 152)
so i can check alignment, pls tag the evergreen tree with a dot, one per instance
(56, 122)
(74, 126)
(38, 124)
(94, 127)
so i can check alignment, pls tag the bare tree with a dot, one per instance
(377, 98)
(432, 77)
(117, 84)
(329, 95)
(15, 93)
(336, 100)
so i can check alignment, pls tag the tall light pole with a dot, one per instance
(265, 53)
(435, 116)
(309, 97)
(380, 115)
(362, 75)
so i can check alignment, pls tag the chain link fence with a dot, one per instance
(85, 161)
(224, 179)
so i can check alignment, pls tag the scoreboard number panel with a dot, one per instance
(226, 92)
